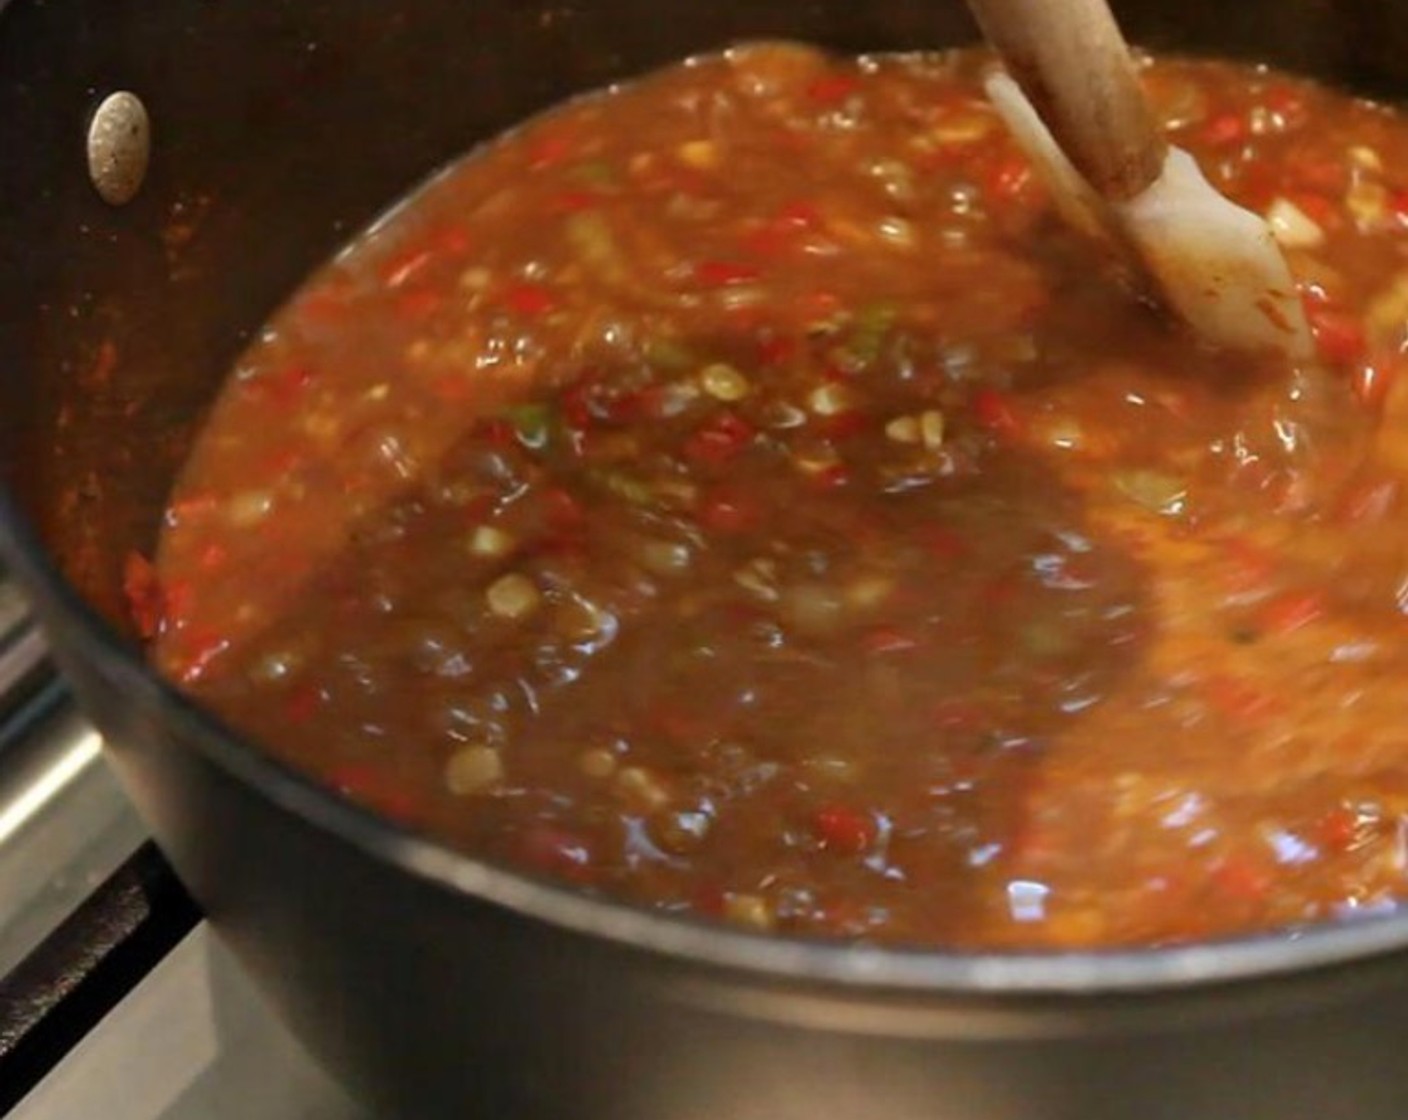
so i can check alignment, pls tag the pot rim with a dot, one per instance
(765, 957)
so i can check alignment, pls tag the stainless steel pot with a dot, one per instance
(436, 985)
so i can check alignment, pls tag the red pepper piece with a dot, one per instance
(176, 599)
(800, 215)
(629, 407)
(676, 726)
(575, 406)
(497, 431)
(103, 364)
(575, 201)
(282, 388)
(405, 267)
(589, 403)
(1338, 829)
(836, 476)
(322, 307)
(675, 179)
(189, 507)
(960, 715)
(1327, 176)
(450, 241)
(550, 149)
(145, 601)
(723, 274)
(1242, 879)
(1286, 103)
(1249, 566)
(363, 783)
(280, 463)
(833, 89)
(531, 300)
(302, 704)
(1257, 188)
(352, 778)
(709, 900)
(1338, 334)
(200, 649)
(844, 917)
(767, 242)
(844, 425)
(1371, 380)
(844, 830)
(778, 350)
(816, 307)
(1239, 700)
(291, 383)
(1000, 591)
(783, 231)
(1369, 501)
(1291, 611)
(557, 851)
(656, 402)
(1222, 130)
(452, 388)
(1398, 206)
(720, 440)
(993, 410)
(415, 306)
(1036, 844)
(942, 543)
(1313, 292)
(561, 511)
(728, 512)
(883, 640)
(1009, 179)
(212, 556)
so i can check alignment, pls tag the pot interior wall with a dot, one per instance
(281, 127)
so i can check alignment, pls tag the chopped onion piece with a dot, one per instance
(474, 770)
(829, 400)
(1387, 316)
(250, 508)
(1157, 492)
(1361, 155)
(491, 542)
(1293, 227)
(869, 592)
(724, 383)
(1367, 203)
(759, 578)
(749, 910)
(830, 768)
(597, 763)
(898, 232)
(903, 429)
(813, 608)
(931, 429)
(512, 596)
(663, 557)
(699, 154)
(640, 785)
(966, 127)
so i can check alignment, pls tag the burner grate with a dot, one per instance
(115, 1001)
(23, 667)
(68, 952)
(81, 971)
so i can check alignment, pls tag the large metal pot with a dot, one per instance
(434, 984)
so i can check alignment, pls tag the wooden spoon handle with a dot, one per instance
(1075, 67)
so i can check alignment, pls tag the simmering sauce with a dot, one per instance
(737, 492)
